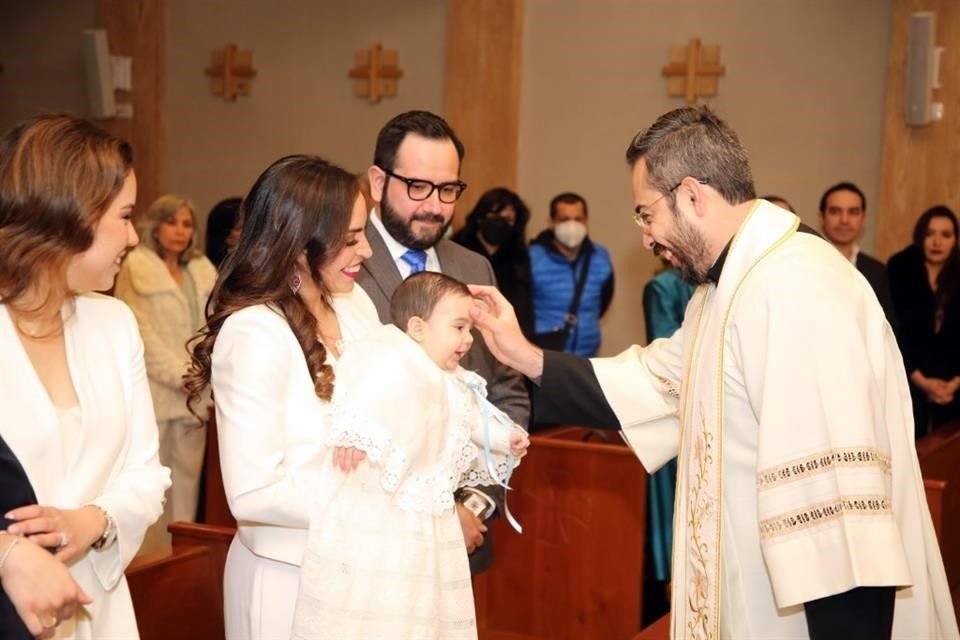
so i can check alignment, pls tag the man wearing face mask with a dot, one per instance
(496, 228)
(572, 280)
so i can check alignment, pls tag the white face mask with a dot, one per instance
(570, 233)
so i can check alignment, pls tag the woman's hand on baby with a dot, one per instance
(519, 441)
(347, 458)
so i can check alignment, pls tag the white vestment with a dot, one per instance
(785, 395)
(385, 556)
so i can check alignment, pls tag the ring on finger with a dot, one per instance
(64, 539)
(52, 622)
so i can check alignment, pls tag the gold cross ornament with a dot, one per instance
(375, 73)
(231, 72)
(693, 71)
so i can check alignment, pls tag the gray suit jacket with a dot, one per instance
(506, 389)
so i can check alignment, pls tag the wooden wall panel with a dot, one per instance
(921, 165)
(482, 91)
(135, 28)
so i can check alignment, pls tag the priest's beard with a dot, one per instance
(402, 230)
(688, 250)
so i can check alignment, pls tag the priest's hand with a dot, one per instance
(498, 325)
(473, 528)
(39, 586)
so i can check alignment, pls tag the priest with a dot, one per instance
(800, 510)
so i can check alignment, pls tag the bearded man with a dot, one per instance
(800, 509)
(415, 179)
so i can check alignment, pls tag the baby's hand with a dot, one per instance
(347, 458)
(519, 441)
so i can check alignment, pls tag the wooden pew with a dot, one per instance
(659, 630)
(177, 594)
(939, 456)
(216, 540)
(216, 511)
(577, 570)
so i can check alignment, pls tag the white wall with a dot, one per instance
(804, 89)
(302, 99)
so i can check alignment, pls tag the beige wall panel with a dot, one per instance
(302, 99)
(804, 87)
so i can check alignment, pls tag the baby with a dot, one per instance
(385, 555)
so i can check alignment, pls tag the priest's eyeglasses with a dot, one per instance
(419, 190)
(642, 215)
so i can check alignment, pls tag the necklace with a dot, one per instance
(35, 332)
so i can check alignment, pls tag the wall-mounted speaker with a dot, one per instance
(920, 68)
(99, 72)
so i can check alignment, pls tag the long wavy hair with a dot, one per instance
(948, 282)
(58, 176)
(301, 205)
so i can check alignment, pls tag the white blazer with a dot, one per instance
(270, 423)
(165, 320)
(114, 463)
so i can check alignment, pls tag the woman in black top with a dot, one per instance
(223, 230)
(924, 279)
(496, 228)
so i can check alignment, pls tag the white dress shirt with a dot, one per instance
(397, 250)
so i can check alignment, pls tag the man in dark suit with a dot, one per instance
(415, 179)
(37, 591)
(843, 208)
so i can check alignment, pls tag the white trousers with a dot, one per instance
(259, 595)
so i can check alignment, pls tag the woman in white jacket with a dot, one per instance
(283, 310)
(77, 414)
(166, 282)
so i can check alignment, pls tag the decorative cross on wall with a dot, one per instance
(231, 72)
(693, 71)
(375, 73)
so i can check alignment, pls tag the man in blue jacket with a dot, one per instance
(563, 260)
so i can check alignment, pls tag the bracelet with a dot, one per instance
(109, 530)
(6, 552)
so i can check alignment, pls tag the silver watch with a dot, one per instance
(109, 536)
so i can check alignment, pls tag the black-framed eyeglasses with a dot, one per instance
(419, 190)
(642, 215)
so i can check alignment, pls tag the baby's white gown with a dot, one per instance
(385, 556)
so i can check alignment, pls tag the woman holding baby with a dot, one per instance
(279, 316)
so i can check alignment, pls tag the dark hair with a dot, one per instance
(300, 204)
(567, 198)
(774, 198)
(694, 142)
(948, 281)
(220, 222)
(419, 295)
(842, 186)
(58, 176)
(422, 123)
(494, 201)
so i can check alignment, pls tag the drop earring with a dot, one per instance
(295, 283)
